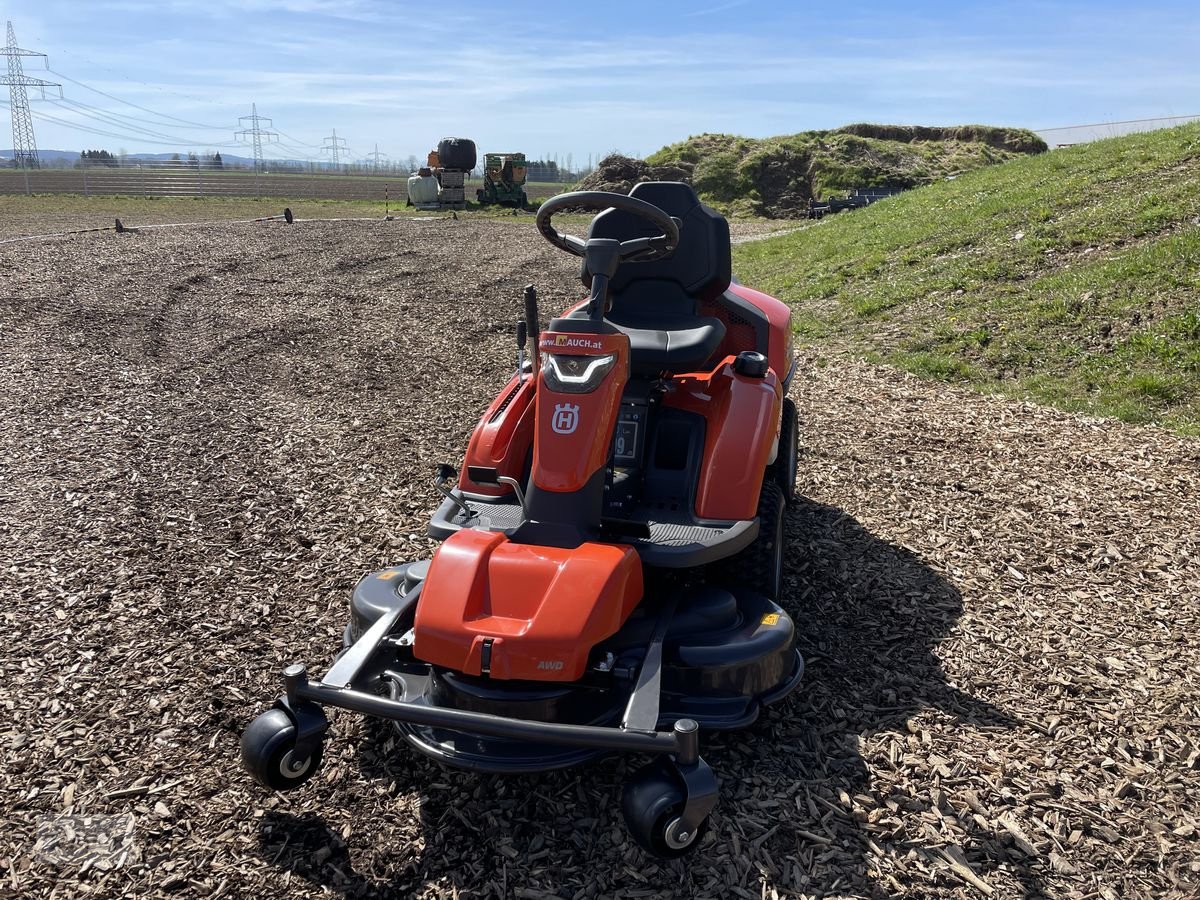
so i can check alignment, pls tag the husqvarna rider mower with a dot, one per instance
(610, 561)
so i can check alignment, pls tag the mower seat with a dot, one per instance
(665, 341)
(655, 303)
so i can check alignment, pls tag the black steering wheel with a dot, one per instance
(641, 249)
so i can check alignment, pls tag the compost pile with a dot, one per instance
(618, 174)
(210, 434)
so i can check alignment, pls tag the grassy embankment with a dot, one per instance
(1072, 278)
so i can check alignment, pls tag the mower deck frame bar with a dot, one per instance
(683, 741)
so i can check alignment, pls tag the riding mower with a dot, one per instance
(610, 565)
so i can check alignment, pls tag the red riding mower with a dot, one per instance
(610, 562)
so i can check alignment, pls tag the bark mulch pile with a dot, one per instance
(210, 434)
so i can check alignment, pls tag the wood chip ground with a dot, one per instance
(209, 434)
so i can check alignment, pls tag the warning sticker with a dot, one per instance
(770, 619)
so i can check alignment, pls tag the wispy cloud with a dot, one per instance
(405, 76)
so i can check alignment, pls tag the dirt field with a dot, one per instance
(209, 435)
(182, 182)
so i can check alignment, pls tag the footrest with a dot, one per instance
(674, 542)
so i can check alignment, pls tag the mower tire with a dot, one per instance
(652, 802)
(760, 566)
(784, 469)
(268, 745)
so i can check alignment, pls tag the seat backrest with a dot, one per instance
(700, 267)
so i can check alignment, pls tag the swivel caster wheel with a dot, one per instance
(271, 753)
(653, 803)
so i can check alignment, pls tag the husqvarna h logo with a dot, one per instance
(565, 419)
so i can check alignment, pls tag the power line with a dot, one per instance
(295, 140)
(152, 112)
(77, 126)
(25, 155)
(77, 109)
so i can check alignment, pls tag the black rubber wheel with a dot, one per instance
(456, 153)
(760, 566)
(651, 802)
(784, 469)
(267, 752)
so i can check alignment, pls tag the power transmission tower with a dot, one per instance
(257, 132)
(25, 155)
(332, 146)
(377, 156)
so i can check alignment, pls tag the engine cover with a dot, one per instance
(490, 606)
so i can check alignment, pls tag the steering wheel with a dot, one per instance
(641, 249)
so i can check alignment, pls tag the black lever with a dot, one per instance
(446, 472)
(533, 326)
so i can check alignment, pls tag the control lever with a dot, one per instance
(532, 324)
(446, 472)
(489, 476)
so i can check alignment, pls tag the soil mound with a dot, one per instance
(619, 174)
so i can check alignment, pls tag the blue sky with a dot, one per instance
(586, 78)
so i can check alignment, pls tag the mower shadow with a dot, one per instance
(869, 617)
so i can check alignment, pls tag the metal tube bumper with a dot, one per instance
(683, 740)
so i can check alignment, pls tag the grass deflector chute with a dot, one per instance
(611, 555)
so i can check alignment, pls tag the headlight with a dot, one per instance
(570, 374)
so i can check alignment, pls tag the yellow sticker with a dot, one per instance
(389, 575)
(770, 619)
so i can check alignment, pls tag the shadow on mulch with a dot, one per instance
(869, 617)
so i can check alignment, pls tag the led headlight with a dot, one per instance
(570, 374)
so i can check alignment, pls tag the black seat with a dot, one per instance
(655, 303)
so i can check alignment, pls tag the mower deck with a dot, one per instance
(700, 657)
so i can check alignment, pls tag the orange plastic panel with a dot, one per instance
(543, 608)
(779, 315)
(574, 431)
(503, 436)
(742, 416)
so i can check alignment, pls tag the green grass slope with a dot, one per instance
(778, 176)
(1071, 277)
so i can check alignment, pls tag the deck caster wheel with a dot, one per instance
(269, 752)
(652, 802)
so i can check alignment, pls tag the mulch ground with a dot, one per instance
(208, 435)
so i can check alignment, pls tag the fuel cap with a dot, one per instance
(751, 363)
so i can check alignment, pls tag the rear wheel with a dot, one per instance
(760, 566)
(785, 467)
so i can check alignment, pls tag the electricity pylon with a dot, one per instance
(332, 146)
(377, 156)
(25, 155)
(257, 132)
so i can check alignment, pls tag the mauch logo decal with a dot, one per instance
(564, 340)
(565, 419)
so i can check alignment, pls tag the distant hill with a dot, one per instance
(778, 176)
